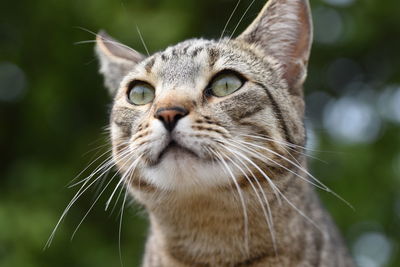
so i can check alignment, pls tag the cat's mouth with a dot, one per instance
(175, 150)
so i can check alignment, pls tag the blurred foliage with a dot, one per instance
(52, 123)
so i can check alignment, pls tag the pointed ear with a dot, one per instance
(116, 60)
(283, 30)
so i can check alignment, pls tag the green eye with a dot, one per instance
(141, 94)
(226, 84)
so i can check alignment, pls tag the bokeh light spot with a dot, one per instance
(389, 104)
(341, 3)
(328, 26)
(350, 120)
(372, 249)
(12, 82)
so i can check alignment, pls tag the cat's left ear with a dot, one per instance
(283, 30)
(116, 60)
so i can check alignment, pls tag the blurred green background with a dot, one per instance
(53, 111)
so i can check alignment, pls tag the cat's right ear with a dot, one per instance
(116, 60)
(283, 30)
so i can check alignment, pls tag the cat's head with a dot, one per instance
(206, 113)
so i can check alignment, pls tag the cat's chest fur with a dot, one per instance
(208, 136)
(211, 231)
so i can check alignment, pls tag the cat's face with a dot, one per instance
(204, 113)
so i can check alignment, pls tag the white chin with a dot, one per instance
(178, 170)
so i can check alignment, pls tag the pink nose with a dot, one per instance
(170, 116)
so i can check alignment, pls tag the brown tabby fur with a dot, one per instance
(214, 201)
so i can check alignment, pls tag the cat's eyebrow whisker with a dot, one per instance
(229, 20)
(268, 216)
(85, 30)
(241, 19)
(321, 185)
(105, 39)
(108, 41)
(142, 40)
(245, 215)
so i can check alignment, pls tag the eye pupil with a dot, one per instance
(141, 93)
(225, 84)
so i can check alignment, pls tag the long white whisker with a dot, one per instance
(97, 148)
(267, 216)
(286, 145)
(263, 157)
(263, 137)
(116, 200)
(99, 185)
(245, 216)
(77, 195)
(133, 165)
(321, 185)
(91, 207)
(280, 193)
(130, 172)
(98, 197)
(71, 184)
(272, 185)
(120, 226)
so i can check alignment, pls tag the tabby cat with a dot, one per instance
(208, 136)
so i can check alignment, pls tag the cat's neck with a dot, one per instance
(213, 227)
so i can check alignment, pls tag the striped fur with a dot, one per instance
(236, 192)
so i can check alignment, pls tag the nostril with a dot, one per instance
(170, 116)
(178, 117)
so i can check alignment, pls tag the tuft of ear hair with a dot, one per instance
(116, 60)
(283, 30)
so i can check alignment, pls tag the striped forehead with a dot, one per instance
(181, 66)
(183, 63)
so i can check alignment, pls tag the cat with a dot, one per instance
(208, 136)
